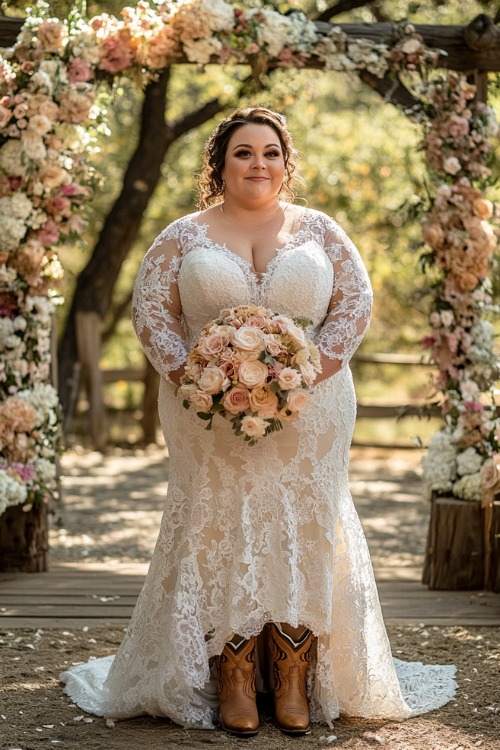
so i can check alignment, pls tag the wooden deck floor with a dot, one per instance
(76, 595)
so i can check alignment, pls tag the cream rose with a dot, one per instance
(297, 400)
(252, 373)
(186, 390)
(264, 402)
(249, 339)
(236, 400)
(289, 378)
(39, 125)
(212, 380)
(202, 401)
(254, 427)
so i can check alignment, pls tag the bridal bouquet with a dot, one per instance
(253, 367)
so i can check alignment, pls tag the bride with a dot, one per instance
(261, 577)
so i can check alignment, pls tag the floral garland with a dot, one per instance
(48, 91)
(464, 457)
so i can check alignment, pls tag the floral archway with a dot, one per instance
(49, 83)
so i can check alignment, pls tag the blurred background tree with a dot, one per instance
(360, 161)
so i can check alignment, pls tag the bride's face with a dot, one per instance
(254, 167)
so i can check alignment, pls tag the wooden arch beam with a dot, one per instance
(472, 47)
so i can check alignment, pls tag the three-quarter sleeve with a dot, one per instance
(156, 307)
(350, 306)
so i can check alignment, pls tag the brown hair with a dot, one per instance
(210, 180)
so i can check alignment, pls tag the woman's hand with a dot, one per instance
(176, 375)
(329, 367)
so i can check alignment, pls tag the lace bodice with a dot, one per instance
(186, 279)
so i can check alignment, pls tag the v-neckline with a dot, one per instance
(245, 264)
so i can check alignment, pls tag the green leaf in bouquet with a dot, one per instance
(274, 387)
(303, 322)
(186, 404)
(204, 415)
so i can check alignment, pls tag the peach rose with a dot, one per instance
(264, 402)
(483, 208)
(236, 400)
(39, 125)
(490, 473)
(75, 107)
(252, 373)
(254, 427)
(212, 380)
(308, 373)
(467, 282)
(49, 109)
(297, 400)
(289, 378)
(213, 344)
(52, 176)
(202, 401)
(20, 414)
(249, 339)
(273, 345)
(433, 234)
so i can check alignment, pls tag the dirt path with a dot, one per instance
(112, 509)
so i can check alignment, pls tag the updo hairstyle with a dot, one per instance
(210, 180)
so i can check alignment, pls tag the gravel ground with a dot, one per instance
(112, 509)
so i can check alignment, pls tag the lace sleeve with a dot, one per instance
(350, 306)
(156, 306)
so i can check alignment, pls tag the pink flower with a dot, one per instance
(79, 71)
(116, 55)
(472, 407)
(49, 233)
(235, 400)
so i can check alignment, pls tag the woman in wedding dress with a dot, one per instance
(261, 574)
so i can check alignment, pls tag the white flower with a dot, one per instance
(45, 471)
(468, 462)
(439, 464)
(274, 31)
(201, 50)
(219, 14)
(452, 165)
(45, 400)
(468, 487)
(410, 46)
(11, 155)
(447, 318)
(13, 231)
(17, 205)
(11, 491)
(33, 146)
(469, 389)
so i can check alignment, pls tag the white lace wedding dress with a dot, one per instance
(254, 534)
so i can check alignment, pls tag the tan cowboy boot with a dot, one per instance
(291, 660)
(236, 688)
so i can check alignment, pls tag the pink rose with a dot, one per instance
(201, 401)
(79, 71)
(235, 400)
(273, 346)
(264, 402)
(213, 345)
(5, 115)
(458, 126)
(253, 426)
(253, 373)
(289, 378)
(212, 380)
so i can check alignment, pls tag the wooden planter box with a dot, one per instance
(462, 553)
(24, 539)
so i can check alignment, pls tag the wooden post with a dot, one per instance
(454, 558)
(494, 578)
(24, 539)
(88, 336)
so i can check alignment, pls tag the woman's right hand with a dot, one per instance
(176, 375)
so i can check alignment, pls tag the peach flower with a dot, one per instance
(186, 390)
(297, 400)
(483, 208)
(264, 402)
(51, 35)
(308, 373)
(289, 378)
(202, 401)
(433, 234)
(75, 108)
(254, 427)
(490, 473)
(236, 400)
(212, 380)
(252, 373)
(213, 344)
(273, 346)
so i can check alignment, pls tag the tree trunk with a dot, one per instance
(24, 539)
(454, 559)
(96, 282)
(495, 548)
